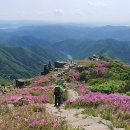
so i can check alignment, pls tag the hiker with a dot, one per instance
(58, 95)
(61, 83)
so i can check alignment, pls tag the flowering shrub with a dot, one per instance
(101, 68)
(45, 123)
(29, 95)
(43, 89)
(91, 99)
(31, 117)
(26, 99)
(82, 89)
(105, 63)
(39, 80)
(100, 71)
(76, 75)
(37, 107)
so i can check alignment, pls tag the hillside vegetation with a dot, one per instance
(24, 49)
(22, 62)
(100, 98)
(80, 49)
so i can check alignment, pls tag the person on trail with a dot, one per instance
(61, 84)
(58, 95)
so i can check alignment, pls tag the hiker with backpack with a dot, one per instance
(58, 95)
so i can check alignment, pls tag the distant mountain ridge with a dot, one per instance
(56, 33)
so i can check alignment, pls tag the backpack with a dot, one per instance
(57, 92)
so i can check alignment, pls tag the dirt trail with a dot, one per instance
(72, 94)
(77, 120)
(74, 118)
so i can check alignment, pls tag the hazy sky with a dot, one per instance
(78, 11)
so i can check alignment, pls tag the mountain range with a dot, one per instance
(80, 49)
(56, 33)
(24, 49)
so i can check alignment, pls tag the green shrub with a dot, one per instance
(97, 81)
(84, 76)
(35, 93)
(127, 94)
(127, 87)
(125, 76)
(109, 86)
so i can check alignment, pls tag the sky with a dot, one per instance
(73, 11)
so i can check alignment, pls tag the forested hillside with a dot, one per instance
(80, 49)
(19, 62)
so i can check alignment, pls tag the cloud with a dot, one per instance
(98, 3)
(78, 13)
(58, 12)
(41, 13)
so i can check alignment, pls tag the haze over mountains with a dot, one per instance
(55, 33)
(24, 49)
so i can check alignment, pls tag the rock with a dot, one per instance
(102, 58)
(59, 64)
(46, 69)
(50, 66)
(81, 68)
(10, 106)
(97, 119)
(22, 82)
(96, 126)
(1, 93)
(66, 69)
(19, 83)
(106, 122)
(81, 122)
(82, 116)
(18, 99)
(1, 90)
(118, 128)
(72, 94)
(72, 66)
(94, 58)
(42, 73)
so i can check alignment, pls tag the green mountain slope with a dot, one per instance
(20, 62)
(79, 49)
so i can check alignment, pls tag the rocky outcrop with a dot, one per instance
(20, 83)
(81, 68)
(1, 90)
(59, 64)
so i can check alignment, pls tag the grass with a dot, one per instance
(90, 111)
(5, 81)
(87, 62)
